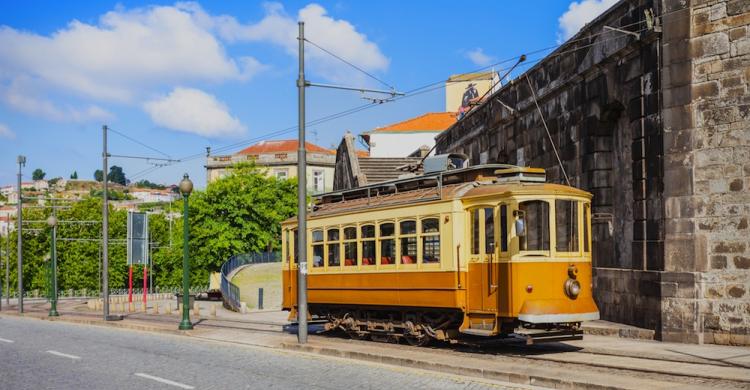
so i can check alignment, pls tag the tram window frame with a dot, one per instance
(318, 244)
(295, 233)
(425, 236)
(489, 230)
(503, 221)
(475, 230)
(350, 244)
(545, 217)
(407, 240)
(571, 224)
(382, 240)
(286, 254)
(586, 230)
(369, 241)
(331, 243)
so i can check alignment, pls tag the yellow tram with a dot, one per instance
(489, 250)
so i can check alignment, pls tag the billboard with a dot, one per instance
(137, 239)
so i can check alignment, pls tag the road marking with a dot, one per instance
(165, 381)
(6, 341)
(63, 355)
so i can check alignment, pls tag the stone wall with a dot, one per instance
(657, 127)
(706, 72)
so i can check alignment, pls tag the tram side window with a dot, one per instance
(368, 244)
(287, 251)
(387, 244)
(586, 219)
(566, 225)
(430, 240)
(475, 232)
(334, 251)
(489, 231)
(294, 247)
(408, 237)
(317, 239)
(536, 217)
(350, 246)
(503, 228)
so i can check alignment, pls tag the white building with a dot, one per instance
(153, 195)
(407, 137)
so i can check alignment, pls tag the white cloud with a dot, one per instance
(193, 111)
(5, 132)
(578, 14)
(277, 27)
(478, 57)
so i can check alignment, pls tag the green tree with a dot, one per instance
(38, 174)
(74, 176)
(98, 175)
(116, 175)
(147, 184)
(239, 213)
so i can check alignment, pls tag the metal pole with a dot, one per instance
(19, 229)
(301, 198)
(105, 227)
(7, 271)
(185, 324)
(151, 266)
(53, 298)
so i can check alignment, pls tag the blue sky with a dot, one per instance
(183, 76)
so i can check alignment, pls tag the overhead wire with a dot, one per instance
(350, 64)
(421, 89)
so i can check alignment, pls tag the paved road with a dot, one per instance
(53, 355)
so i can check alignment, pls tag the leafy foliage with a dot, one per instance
(74, 175)
(38, 174)
(237, 214)
(98, 175)
(147, 184)
(116, 175)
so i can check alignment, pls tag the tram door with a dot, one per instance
(484, 270)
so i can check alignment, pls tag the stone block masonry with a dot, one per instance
(658, 129)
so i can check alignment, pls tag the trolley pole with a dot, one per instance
(301, 198)
(19, 229)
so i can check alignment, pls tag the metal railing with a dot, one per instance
(229, 291)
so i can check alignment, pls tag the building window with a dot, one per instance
(430, 240)
(408, 238)
(387, 243)
(368, 244)
(319, 182)
(350, 246)
(281, 174)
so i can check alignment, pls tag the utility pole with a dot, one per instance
(301, 198)
(19, 221)
(7, 272)
(105, 229)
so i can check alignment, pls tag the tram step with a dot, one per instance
(478, 332)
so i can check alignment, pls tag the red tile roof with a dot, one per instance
(432, 121)
(279, 146)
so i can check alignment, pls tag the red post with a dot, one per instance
(145, 281)
(130, 284)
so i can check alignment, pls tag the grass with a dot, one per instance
(266, 276)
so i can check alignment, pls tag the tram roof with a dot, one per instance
(480, 180)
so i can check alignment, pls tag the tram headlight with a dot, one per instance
(572, 288)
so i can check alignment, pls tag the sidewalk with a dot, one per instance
(597, 362)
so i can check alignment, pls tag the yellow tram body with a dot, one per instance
(438, 255)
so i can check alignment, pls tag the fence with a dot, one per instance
(229, 291)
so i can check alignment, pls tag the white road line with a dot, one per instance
(63, 355)
(165, 381)
(6, 341)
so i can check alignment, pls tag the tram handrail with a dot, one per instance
(229, 291)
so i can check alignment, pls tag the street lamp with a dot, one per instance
(186, 187)
(52, 222)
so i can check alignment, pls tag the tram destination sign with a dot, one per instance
(137, 239)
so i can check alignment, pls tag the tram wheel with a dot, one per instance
(357, 335)
(418, 341)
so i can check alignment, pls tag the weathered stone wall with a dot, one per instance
(658, 129)
(707, 156)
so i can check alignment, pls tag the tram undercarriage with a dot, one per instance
(420, 326)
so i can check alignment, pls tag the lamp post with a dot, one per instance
(52, 222)
(186, 187)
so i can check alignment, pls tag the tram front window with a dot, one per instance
(566, 225)
(536, 225)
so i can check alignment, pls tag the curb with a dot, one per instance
(495, 374)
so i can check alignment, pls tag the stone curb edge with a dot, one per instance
(497, 375)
